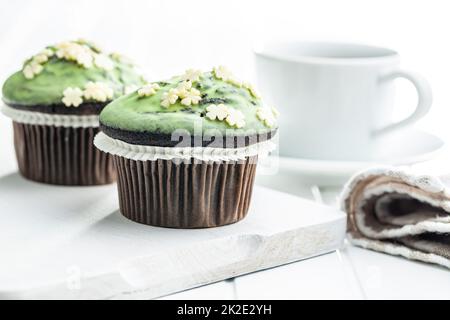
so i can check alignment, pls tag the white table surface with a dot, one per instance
(345, 274)
(349, 273)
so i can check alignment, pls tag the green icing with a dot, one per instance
(47, 87)
(145, 114)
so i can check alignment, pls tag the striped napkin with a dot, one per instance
(400, 212)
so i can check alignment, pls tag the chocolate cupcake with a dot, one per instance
(186, 149)
(54, 102)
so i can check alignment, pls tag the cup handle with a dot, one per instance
(424, 99)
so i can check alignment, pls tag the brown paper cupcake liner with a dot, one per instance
(61, 155)
(185, 195)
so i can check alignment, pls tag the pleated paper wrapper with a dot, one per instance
(61, 155)
(199, 194)
(184, 187)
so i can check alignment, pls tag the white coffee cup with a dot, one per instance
(334, 99)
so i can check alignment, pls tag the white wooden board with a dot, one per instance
(71, 242)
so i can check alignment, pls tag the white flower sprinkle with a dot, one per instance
(221, 72)
(219, 112)
(72, 51)
(121, 58)
(28, 72)
(63, 49)
(169, 98)
(235, 82)
(84, 58)
(32, 69)
(148, 90)
(235, 118)
(266, 116)
(191, 97)
(98, 91)
(47, 52)
(40, 58)
(191, 75)
(252, 90)
(92, 45)
(183, 88)
(72, 97)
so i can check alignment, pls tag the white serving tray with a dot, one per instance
(72, 243)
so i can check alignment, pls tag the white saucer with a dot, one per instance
(404, 148)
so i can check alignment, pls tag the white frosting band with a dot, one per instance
(45, 119)
(149, 153)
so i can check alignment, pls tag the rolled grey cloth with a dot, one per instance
(400, 213)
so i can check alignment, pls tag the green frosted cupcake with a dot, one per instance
(54, 102)
(186, 148)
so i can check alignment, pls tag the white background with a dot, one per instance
(166, 36)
